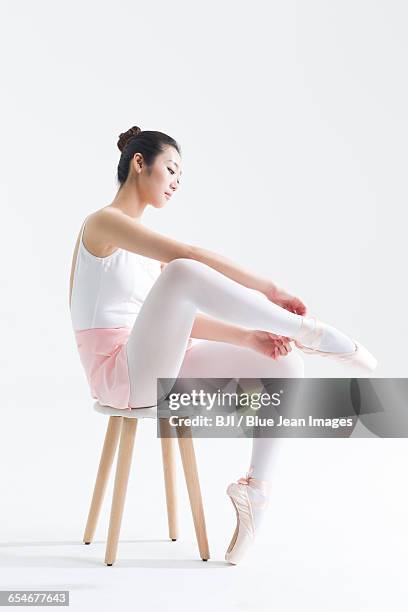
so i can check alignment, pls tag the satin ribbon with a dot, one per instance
(250, 481)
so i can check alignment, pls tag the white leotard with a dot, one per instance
(108, 292)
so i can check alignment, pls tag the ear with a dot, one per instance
(138, 161)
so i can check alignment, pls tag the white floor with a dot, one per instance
(335, 536)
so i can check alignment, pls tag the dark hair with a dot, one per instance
(147, 142)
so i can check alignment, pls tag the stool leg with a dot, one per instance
(169, 468)
(105, 464)
(193, 486)
(127, 439)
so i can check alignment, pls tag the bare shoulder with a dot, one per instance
(94, 239)
(119, 230)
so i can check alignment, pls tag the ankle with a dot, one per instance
(309, 335)
(254, 483)
(258, 497)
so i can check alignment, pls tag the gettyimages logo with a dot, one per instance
(200, 398)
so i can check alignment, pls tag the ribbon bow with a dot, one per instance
(249, 480)
(245, 479)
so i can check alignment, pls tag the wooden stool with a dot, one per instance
(123, 423)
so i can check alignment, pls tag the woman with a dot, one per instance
(134, 297)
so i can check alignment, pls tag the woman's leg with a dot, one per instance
(209, 359)
(157, 343)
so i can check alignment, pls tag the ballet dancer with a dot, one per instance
(134, 297)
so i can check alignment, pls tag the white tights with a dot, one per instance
(156, 347)
(210, 359)
(158, 340)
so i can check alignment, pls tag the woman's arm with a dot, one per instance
(266, 343)
(233, 270)
(122, 231)
(247, 278)
(208, 328)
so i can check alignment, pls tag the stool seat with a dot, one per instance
(120, 437)
(135, 413)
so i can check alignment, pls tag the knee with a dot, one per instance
(182, 268)
(180, 263)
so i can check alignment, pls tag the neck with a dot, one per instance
(128, 200)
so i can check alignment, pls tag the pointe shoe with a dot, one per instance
(244, 534)
(360, 357)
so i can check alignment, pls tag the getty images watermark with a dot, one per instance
(286, 407)
(254, 401)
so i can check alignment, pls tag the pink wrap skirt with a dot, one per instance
(103, 356)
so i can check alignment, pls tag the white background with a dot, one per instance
(292, 121)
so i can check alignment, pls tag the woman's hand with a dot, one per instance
(267, 343)
(285, 300)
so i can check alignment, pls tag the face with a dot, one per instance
(164, 177)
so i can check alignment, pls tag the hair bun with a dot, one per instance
(126, 136)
